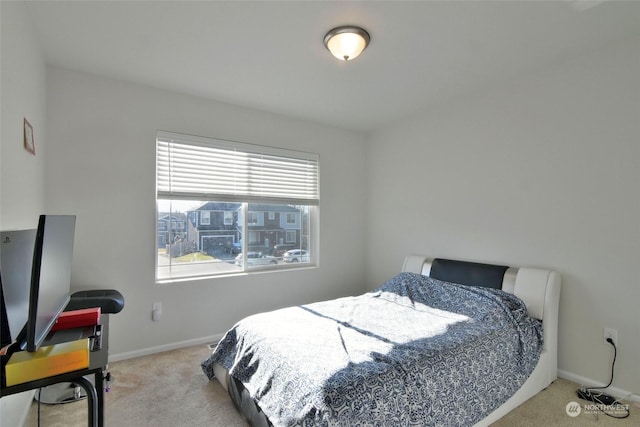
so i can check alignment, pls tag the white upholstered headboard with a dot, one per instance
(538, 288)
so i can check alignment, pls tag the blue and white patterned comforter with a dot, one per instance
(416, 351)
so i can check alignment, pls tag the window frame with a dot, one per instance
(307, 230)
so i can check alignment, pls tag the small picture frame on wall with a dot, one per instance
(29, 144)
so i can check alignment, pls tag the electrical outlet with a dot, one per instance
(156, 311)
(611, 333)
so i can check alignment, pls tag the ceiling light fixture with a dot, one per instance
(347, 42)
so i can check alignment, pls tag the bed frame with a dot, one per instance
(540, 291)
(538, 288)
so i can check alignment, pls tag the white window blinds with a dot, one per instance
(198, 168)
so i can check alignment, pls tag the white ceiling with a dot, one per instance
(269, 55)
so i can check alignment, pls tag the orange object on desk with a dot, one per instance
(77, 318)
(47, 361)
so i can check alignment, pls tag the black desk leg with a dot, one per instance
(92, 398)
(99, 381)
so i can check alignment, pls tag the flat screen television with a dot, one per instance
(50, 284)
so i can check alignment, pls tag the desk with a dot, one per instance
(97, 364)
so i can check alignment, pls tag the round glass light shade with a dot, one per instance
(346, 43)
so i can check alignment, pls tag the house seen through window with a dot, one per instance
(226, 207)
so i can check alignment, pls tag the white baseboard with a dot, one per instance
(165, 347)
(588, 382)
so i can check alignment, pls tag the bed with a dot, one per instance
(443, 342)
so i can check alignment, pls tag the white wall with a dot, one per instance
(22, 87)
(101, 167)
(23, 95)
(543, 171)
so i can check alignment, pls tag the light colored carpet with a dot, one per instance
(165, 389)
(169, 389)
(549, 408)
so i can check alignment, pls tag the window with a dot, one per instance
(252, 218)
(205, 218)
(226, 196)
(228, 218)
